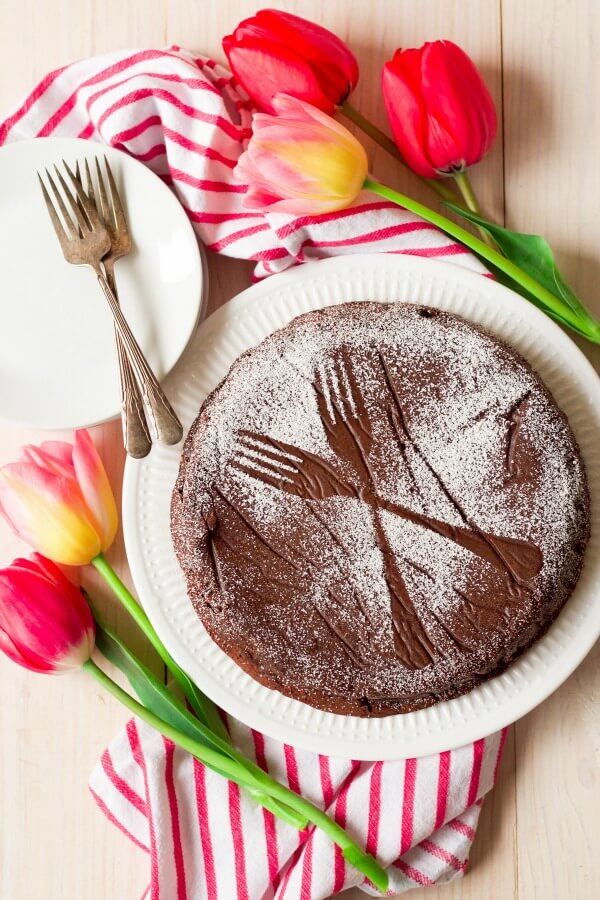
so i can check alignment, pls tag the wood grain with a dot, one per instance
(552, 147)
(536, 837)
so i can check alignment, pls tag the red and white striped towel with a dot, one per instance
(184, 116)
(206, 839)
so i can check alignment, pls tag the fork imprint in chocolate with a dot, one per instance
(349, 434)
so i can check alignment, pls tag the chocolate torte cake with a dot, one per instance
(378, 508)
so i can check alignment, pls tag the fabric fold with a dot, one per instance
(207, 839)
(184, 116)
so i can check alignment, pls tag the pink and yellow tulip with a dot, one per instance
(58, 499)
(45, 623)
(301, 161)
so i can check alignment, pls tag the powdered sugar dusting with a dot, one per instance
(456, 388)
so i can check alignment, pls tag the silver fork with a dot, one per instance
(85, 241)
(136, 436)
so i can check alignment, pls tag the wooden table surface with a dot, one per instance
(540, 59)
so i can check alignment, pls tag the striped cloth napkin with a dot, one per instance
(207, 839)
(185, 117)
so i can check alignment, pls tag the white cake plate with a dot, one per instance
(241, 324)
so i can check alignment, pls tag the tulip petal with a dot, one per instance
(43, 567)
(405, 110)
(459, 104)
(259, 198)
(95, 487)
(32, 565)
(441, 112)
(54, 456)
(305, 206)
(328, 55)
(446, 96)
(263, 68)
(27, 661)
(295, 110)
(47, 624)
(296, 46)
(301, 161)
(49, 570)
(48, 512)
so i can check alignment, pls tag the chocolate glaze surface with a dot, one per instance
(378, 508)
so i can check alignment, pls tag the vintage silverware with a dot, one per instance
(136, 436)
(85, 240)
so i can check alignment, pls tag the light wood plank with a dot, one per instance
(552, 143)
(552, 146)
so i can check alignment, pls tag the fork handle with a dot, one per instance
(136, 436)
(169, 429)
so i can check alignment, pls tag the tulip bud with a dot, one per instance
(45, 623)
(58, 499)
(441, 113)
(276, 52)
(301, 161)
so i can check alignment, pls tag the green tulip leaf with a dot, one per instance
(156, 697)
(533, 254)
(161, 709)
(152, 692)
(508, 282)
(204, 708)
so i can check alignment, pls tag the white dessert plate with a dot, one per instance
(242, 323)
(58, 361)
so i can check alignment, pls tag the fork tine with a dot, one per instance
(342, 379)
(75, 208)
(356, 394)
(273, 468)
(327, 415)
(90, 209)
(54, 217)
(271, 459)
(89, 183)
(286, 453)
(67, 217)
(344, 390)
(77, 173)
(103, 206)
(275, 482)
(354, 409)
(268, 454)
(117, 206)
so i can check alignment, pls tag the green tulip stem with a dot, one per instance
(466, 188)
(210, 713)
(491, 255)
(357, 857)
(203, 707)
(379, 136)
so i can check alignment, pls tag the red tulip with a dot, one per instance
(275, 52)
(45, 623)
(441, 113)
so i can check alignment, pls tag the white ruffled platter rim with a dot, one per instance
(242, 323)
